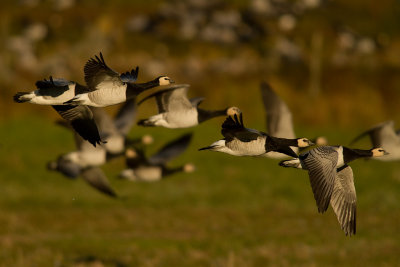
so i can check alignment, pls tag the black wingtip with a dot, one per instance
(88, 130)
(323, 206)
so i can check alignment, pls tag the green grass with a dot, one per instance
(231, 212)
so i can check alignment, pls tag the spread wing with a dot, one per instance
(343, 200)
(66, 167)
(279, 117)
(53, 87)
(171, 150)
(104, 122)
(196, 101)
(126, 116)
(321, 164)
(234, 128)
(382, 135)
(99, 76)
(174, 98)
(81, 119)
(97, 179)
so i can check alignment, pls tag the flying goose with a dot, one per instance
(279, 119)
(384, 135)
(84, 162)
(332, 179)
(175, 110)
(241, 141)
(141, 168)
(55, 92)
(107, 87)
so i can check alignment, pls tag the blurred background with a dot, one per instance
(335, 63)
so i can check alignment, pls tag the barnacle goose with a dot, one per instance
(154, 168)
(175, 110)
(107, 87)
(241, 141)
(332, 179)
(55, 92)
(384, 135)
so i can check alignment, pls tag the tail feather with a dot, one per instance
(19, 97)
(207, 147)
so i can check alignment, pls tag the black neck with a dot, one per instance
(352, 154)
(133, 89)
(284, 141)
(204, 115)
(281, 145)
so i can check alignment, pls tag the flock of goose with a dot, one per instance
(99, 137)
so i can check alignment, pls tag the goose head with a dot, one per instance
(164, 80)
(231, 111)
(321, 141)
(130, 153)
(147, 139)
(304, 142)
(378, 152)
(189, 167)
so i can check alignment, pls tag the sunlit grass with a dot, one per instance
(231, 212)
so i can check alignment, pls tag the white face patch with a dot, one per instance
(303, 142)
(232, 111)
(130, 153)
(164, 80)
(147, 139)
(321, 141)
(378, 152)
(188, 168)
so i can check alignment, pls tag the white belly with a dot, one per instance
(252, 148)
(148, 174)
(184, 119)
(107, 96)
(115, 144)
(274, 155)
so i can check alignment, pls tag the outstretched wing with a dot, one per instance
(104, 122)
(53, 87)
(174, 98)
(196, 101)
(382, 135)
(130, 77)
(321, 164)
(233, 127)
(81, 119)
(126, 116)
(171, 150)
(344, 200)
(97, 179)
(279, 117)
(99, 76)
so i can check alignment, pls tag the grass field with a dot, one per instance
(230, 212)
